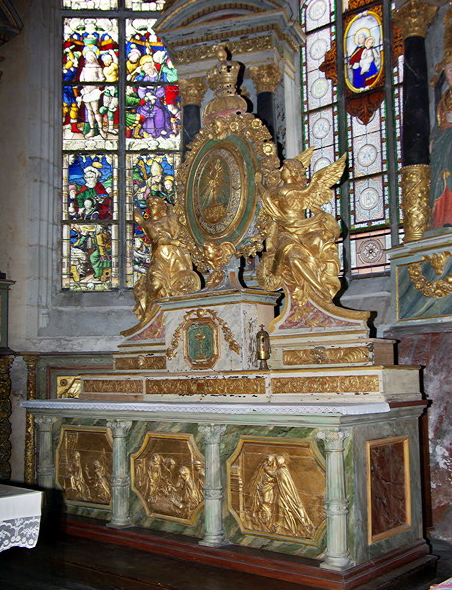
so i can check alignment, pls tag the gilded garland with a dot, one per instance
(432, 289)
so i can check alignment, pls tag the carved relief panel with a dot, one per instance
(276, 488)
(168, 477)
(83, 464)
(388, 487)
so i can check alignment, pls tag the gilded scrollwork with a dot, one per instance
(202, 314)
(236, 386)
(415, 200)
(321, 355)
(112, 385)
(414, 18)
(168, 477)
(68, 386)
(192, 90)
(431, 289)
(151, 363)
(266, 77)
(203, 52)
(29, 454)
(333, 384)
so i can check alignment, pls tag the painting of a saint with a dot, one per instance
(214, 185)
(363, 52)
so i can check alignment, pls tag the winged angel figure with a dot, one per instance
(301, 252)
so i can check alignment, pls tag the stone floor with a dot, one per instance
(47, 567)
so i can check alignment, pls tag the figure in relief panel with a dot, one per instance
(301, 251)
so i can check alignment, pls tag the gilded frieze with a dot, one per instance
(202, 52)
(112, 386)
(322, 356)
(332, 384)
(168, 477)
(83, 465)
(141, 362)
(276, 488)
(388, 487)
(237, 386)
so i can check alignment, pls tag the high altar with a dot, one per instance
(295, 435)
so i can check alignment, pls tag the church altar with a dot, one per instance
(295, 435)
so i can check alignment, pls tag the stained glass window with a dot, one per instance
(120, 138)
(348, 108)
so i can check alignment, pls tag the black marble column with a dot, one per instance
(266, 111)
(191, 124)
(416, 121)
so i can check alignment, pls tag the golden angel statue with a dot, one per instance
(301, 252)
(171, 269)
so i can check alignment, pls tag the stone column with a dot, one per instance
(120, 480)
(336, 503)
(213, 489)
(5, 412)
(192, 92)
(266, 79)
(30, 450)
(46, 463)
(413, 18)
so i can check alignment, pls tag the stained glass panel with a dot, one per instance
(150, 5)
(90, 4)
(90, 253)
(368, 252)
(317, 14)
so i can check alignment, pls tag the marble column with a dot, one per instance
(46, 463)
(413, 18)
(192, 92)
(30, 450)
(336, 503)
(266, 78)
(120, 480)
(5, 413)
(213, 489)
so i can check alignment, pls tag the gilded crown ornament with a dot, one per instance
(222, 79)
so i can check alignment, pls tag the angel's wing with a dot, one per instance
(319, 191)
(305, 157)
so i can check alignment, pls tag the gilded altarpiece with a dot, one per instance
(83, 465)
(168, 477)
(276, 488)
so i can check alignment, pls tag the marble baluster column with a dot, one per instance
(29, 454)
(46, 462)
(120, 480)
(266, 78)
(413, 18)
(213, 489)
(192, 92)
(5, 413)
(336, 503)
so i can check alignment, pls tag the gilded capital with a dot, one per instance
(415, 200)
(414, 18)
(265, 78)
(192, 90)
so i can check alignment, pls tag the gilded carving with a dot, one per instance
(265, 78)
(112, 386)
(151, 363)
(168, 477)
(237, 386)
(414, 18)
(5, 413)
(276, 488)
(84, 464)
(415, 200)
(204, 314)
(68, 386)
(332, 384)
(388, 487)
(432, 289)
(321, 355)
(202, 52)
(192, 90)
(301, 252)
(201, 343)
(29, 454)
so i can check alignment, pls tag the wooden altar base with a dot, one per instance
(407, 568)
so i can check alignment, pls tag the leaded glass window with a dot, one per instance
(121, 138)
(348, 106)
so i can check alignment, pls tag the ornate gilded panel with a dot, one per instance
(168, 477)
(201, 343)
(388, 487)
(276, 488)
(83, 464)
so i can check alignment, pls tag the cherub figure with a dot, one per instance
(301, 252)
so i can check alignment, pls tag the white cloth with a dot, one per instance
(20, 517)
